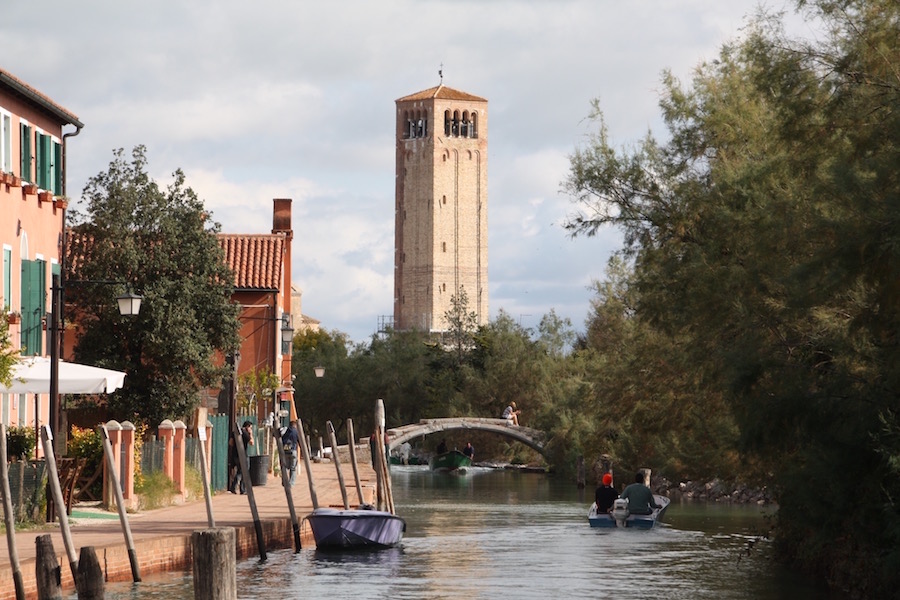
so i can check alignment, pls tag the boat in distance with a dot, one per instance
(620, 516)
(450, 462)
(362, 528)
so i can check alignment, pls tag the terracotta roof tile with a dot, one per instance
(441, 92)
(255, 259)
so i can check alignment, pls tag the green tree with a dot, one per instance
(255, 387)
(462, 324)
(161, 244)
(764, 237)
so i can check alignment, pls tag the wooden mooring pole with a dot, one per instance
(244, 466)
(214, 564)
(351, 443)
(286, 484)
(337, 463)
(92, 584)
(120, 504)
(46, 569)
(9, 518)
(304, 449)
(56, 490)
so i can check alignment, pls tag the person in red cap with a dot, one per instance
(605, 494)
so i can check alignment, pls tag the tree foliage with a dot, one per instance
(764, 241)
(161, 244)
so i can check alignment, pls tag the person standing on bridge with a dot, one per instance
(512, 413)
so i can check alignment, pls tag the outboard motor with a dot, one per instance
(620, 511)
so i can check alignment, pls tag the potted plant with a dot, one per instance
(45, 196)
(61, 202)
(30, 188)
(13, 180)
(13, 317)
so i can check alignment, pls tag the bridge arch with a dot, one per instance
(533, 438)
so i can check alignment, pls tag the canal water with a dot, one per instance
(503, 534)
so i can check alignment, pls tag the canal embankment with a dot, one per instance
(162, 537)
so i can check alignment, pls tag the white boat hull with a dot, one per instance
(637, 521)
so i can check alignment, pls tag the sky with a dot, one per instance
(295, 99)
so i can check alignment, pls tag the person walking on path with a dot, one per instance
(291, 441)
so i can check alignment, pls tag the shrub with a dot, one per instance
(155, 490)
(20, 442)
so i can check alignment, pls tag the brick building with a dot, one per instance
(440, 236)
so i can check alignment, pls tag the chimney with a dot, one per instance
(281, 216)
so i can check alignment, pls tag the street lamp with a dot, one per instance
(129, 305)
(287, 334)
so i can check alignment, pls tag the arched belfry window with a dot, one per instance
(464, 127)
(416, 124)
(447, 120)
(421, 124)
(473, 125)
(455, 127)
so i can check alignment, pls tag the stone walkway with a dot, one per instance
(162, 536)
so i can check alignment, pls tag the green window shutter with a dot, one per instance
(32, 306)
(57, 169)
(25, 152)
(7, 278)
(44, 166)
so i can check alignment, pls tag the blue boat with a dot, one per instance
(620, 516)
(335, 529)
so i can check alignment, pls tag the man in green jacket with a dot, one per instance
(640, 498)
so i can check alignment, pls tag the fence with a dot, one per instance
(154, 450)
(28, 485)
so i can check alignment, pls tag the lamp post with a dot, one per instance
(129, 305)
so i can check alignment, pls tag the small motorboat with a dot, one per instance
(450, 462)
(336, 529)
(620, 516)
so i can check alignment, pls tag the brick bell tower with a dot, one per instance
(440, 232)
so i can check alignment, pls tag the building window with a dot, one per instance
(25, 152)
(5, 142)
(443, 246)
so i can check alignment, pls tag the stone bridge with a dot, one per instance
(533, 438)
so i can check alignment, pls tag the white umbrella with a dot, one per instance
(32, 376)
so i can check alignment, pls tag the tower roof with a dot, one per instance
(441, 92)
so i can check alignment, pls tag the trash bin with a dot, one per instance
(259, 469)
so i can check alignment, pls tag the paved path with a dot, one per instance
(179, 521)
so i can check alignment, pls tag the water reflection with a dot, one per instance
(493, 534)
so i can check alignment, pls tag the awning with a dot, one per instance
(32, 376)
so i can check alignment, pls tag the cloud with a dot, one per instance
(295, 99)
